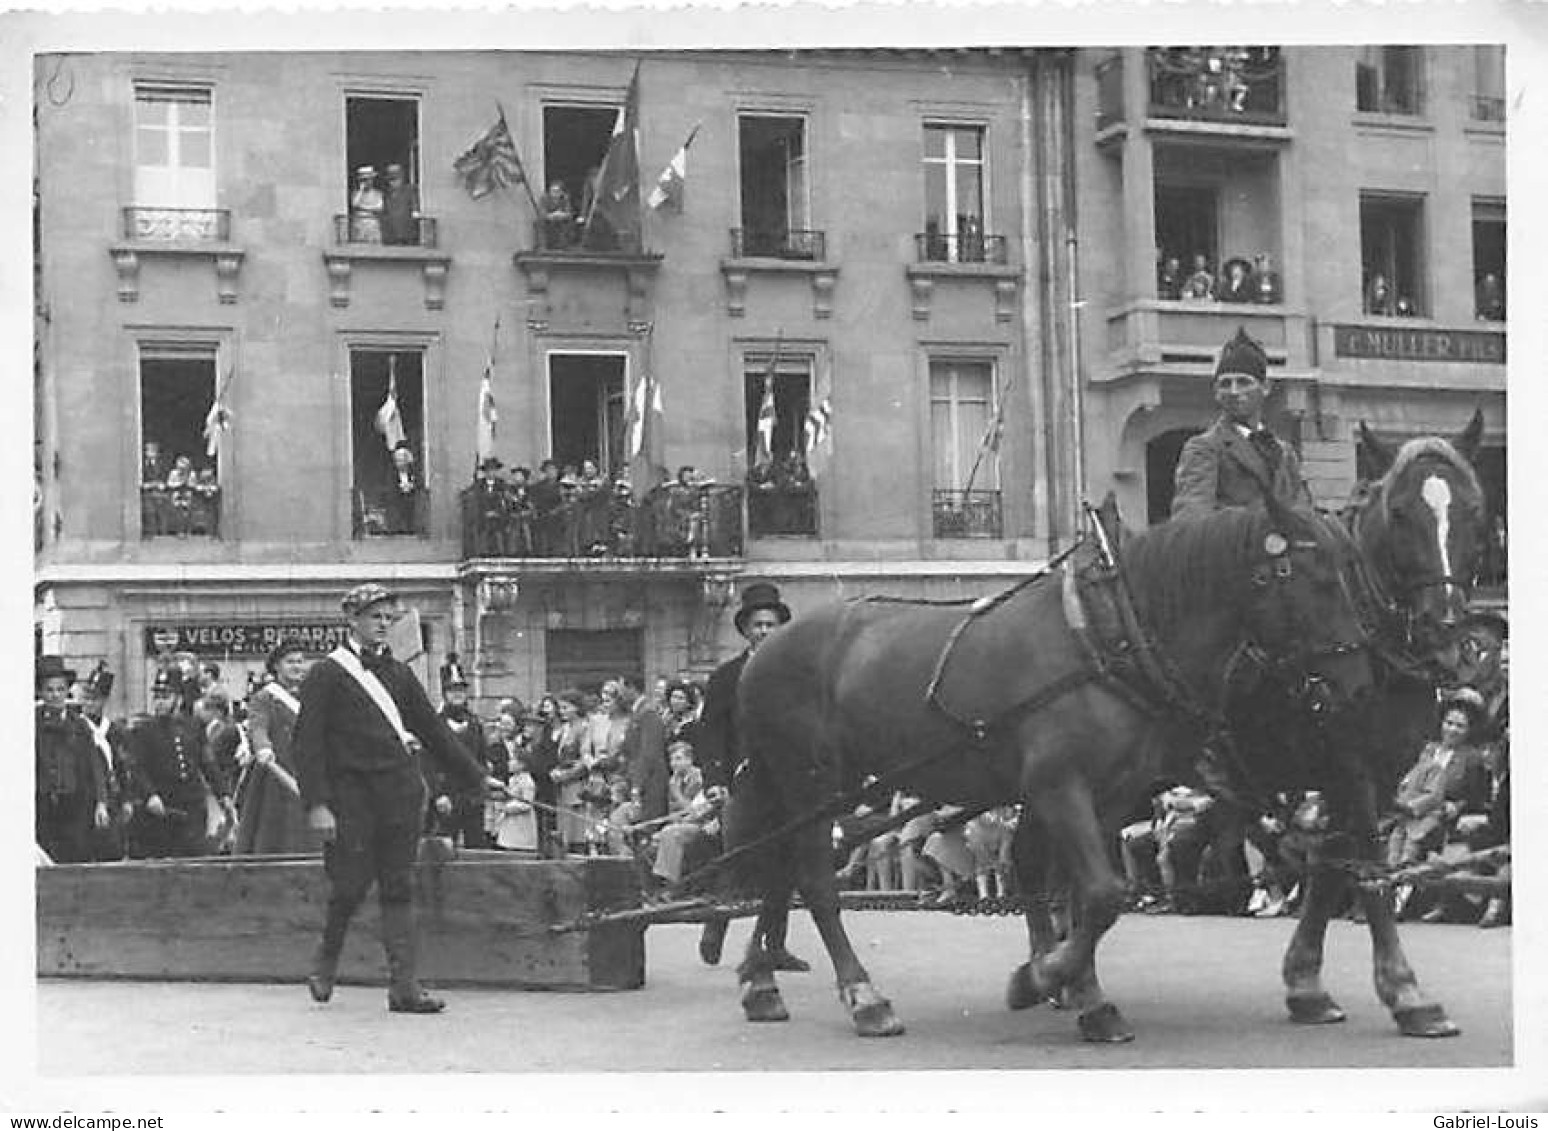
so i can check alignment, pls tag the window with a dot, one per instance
(586, 409)
(1186, 238)
(965, 454)
(179, 478)
(781, 498)
(1388, 80)
(174, 163)
(1489, 260)
(1489, 83)
(1392, 256)
(381, 131)
(954, 193)
(387, 436)
(775, 196)
(575, 140)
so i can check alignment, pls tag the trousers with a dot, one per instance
(378, 817)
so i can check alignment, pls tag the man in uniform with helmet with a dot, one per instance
(363, 725)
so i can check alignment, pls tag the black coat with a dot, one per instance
(716, 749)
(341, 729)
(68, 763)
(172, 761)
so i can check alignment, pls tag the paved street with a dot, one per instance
(1201, 993)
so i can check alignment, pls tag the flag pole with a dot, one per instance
(526, 179)
(996, 423)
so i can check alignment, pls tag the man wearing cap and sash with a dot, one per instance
(719, 757)
(1238, 460)
(363, 724)
(69, 790)
(272, 819)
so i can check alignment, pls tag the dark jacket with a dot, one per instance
(1221, 468)
(172, 761)
(716, 749)
(341, 729)
(68, 763)
(469, 733)
(644, 749)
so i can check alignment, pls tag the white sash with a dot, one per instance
(99, 736)
(345, 657)
(278, 691)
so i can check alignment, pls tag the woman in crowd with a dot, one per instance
(570, 772)
(680, 712)
(272, 819)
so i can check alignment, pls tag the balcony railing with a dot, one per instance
(388, 512)
(187, 225)
(179, 512)
(422, 232)
(1488, 109)
(778, 243)
(966, 514)
(970, 247)
(1217, 84)
(774, 511)
(670, 522)
(1109, 78)
(570, 237)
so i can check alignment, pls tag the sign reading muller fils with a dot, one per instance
(240, 638)
(1419, 345)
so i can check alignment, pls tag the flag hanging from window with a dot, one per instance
(217, 422)
(669, 185)
(613, 221)
(389, 421)
(767, 419)
(491, 162)
(488, 416)
(819, 423)
(643, 436)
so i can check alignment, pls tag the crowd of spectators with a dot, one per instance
(178, 498)
(1238, 280)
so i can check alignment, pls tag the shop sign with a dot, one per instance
(1419, 345)
(240, 638)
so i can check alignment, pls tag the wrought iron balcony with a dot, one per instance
(781, 511)
(778, 243)
(387, 512)
(968, 247)
(179, 512)
(177, 225)
(966, 514)
(571, 237)
(1217, 84)
(422, 233)
(670, 522)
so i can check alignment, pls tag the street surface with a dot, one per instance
(1199, 992)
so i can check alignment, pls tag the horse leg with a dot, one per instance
(761, 1000)
(1415, 1013)
(1067, 811)
(1029, 857)
(1309, 1003)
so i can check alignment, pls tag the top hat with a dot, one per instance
(362, 597)
(451, 672)
(49, 667)
(760, 595)
(285, 647)
(490, 461)
(1243, 355)
(100, 682)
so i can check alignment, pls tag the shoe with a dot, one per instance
(320, 986)
(782, 959)
(422, 1003)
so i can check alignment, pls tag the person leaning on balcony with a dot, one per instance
(1489, 303)
(1236, 282)
(400, 208)
(403, 495)
(365, 208)
(1378, 296)
(546, 496)
(153, 489)
(1237, 460)
(1169, 279)
(1200, 283)
(1265, 280)
(558, 217)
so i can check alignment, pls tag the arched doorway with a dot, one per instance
(1161, 453)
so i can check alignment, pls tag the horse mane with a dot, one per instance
(1181, 566)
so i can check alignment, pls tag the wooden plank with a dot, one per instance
(483, 921)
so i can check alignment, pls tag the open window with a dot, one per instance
(1187, 236)
(954, 226)
(387, 434)
(781, 497)
(1392, 255)
(586, 409)
(575, 140)
(1489, 260)
(1388, 80)
(382, 153)
(775, 195)
(179, 478)
(964, 452)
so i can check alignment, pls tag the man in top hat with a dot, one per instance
(111, 740)
(363, 725)
(1238, 461)
(455, 810)
(69, 790)
(761, 612)
(174, 773)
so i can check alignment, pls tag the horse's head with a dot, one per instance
(1421, 529)
(1302, 614)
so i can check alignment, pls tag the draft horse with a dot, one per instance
(1418, 529)
(1011, 701)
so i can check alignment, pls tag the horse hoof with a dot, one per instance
(1314, 1009)
(1022, 991)
(764, 1004)
(871, 1013)
(1105, 1025)
(1425, 1021)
